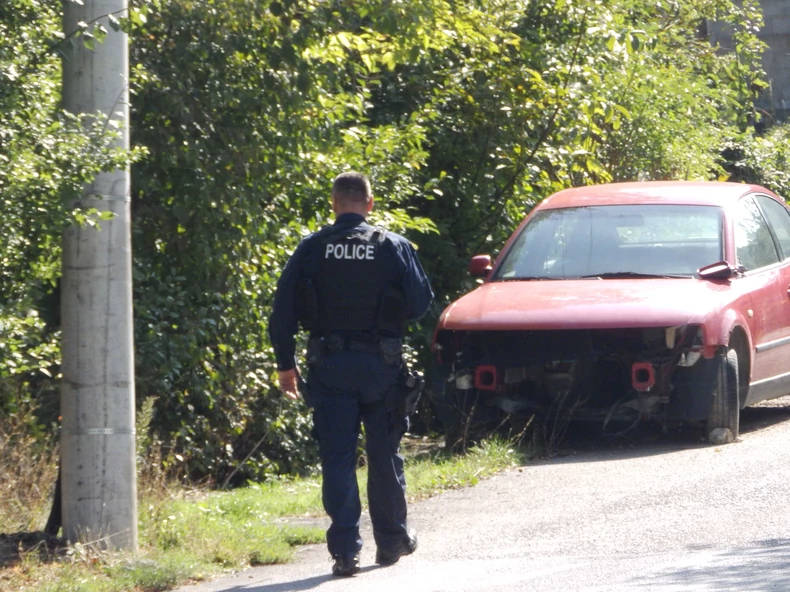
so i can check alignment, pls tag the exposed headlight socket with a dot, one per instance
(643, 376)
(485, 378)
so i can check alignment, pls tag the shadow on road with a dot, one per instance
(763, 566)
(764, 415)
(584, 442)
(296, 585)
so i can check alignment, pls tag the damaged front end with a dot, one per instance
(612, 376)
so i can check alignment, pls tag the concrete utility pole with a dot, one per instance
(99, 483)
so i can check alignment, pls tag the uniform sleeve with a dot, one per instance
(283, 324)
(416, 287)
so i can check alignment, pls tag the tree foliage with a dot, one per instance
(465, 113)
(45, 157)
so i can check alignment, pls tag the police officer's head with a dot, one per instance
(351, 193)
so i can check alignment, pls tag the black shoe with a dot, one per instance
(406, 547)
(346, 565)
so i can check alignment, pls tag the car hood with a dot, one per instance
(585, 304)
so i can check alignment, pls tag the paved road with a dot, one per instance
(669, 514)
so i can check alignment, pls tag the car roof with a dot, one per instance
(653, 192)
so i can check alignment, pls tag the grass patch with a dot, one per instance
(193, 535)
(439, 472)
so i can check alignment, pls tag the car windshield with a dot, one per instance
(623, 241)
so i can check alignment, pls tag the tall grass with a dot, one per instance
(28, 473)
(186, 533)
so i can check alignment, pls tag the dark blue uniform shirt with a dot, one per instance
(283, 323)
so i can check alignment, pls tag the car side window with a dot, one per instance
(754, 245)
(779, 218)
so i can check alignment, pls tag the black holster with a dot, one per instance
(403, 397)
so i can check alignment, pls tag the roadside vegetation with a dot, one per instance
(193, 532)
(465, 114)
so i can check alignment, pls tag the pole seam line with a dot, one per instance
(97, 432)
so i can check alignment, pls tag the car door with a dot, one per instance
(777, 216)
(759, 258)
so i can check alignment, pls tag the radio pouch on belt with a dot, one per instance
(391, 350)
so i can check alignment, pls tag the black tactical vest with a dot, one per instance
(354, 276)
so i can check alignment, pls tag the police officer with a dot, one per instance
(354, 287)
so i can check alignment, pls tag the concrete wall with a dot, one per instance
(776, 59)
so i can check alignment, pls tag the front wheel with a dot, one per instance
(725, 411)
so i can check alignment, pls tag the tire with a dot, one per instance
(725, 411)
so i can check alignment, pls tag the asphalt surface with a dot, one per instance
(664, 512)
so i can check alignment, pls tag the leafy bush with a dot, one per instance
(763, 159)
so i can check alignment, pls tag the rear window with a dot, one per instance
(589, 241)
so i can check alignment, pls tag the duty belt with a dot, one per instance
(337, 343)
(389, 348)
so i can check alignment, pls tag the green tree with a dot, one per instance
(45, 157)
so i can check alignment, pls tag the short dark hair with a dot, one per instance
(352, 187)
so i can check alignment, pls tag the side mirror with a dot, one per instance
(717, 271)
(480, 265)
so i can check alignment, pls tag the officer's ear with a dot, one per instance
(370, 205)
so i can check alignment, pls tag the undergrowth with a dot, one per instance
(187, 532)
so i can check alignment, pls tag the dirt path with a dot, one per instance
(671, 514)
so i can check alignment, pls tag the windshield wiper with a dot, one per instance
(525, 278)
(613, 275)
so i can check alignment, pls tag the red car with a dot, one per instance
(625, 301)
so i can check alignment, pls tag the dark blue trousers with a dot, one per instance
(347, 391)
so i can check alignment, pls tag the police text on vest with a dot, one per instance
(350, 251)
